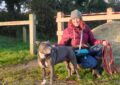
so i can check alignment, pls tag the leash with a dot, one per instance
(108, 60)
(81, 38)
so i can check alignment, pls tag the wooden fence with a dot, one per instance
(32, 29)
(109, 16)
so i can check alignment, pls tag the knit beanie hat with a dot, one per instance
(76, 14)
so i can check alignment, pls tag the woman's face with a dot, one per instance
(76, 22)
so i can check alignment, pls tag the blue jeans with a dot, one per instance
(87, 58)
(87, 61)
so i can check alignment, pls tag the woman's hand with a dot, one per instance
(76, 46)
(83, 45)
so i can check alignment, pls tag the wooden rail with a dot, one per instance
(32, 29)
(11, 23)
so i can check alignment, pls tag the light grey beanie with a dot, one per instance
(76, 14)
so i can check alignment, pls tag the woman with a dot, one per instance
(78, 35)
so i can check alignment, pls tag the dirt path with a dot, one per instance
(19, 67)
(25, 74)
(29, 74)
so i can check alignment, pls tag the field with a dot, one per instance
(18, 67)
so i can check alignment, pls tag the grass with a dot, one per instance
(33, 76)
(87, 78)
(16, 70)
(13, 51)
(20, 77)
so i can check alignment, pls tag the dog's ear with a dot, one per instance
(37, 43)
(48, 41)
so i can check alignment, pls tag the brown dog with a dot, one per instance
(49, 55)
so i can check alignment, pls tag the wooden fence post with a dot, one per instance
(60, 25)
(32, 32)
(109, 13)
(24, 34)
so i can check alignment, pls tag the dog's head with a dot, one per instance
(44, 49)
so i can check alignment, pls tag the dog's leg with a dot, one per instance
(51, 67)
(67, 63)
(41, 64)
(74, 62)
(76, 69)
(52, 74)
(44, 76)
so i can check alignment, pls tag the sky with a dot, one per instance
(115, 1)
(2, 6)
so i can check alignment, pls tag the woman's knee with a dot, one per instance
(89, 62)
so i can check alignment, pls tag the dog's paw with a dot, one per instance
(73, 73)
(44, 82)
(79, 79)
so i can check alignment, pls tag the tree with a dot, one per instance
(13, 6)
(45, 12)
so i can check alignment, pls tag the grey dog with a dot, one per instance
(48, 56)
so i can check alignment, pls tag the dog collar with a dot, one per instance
(47, 55)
